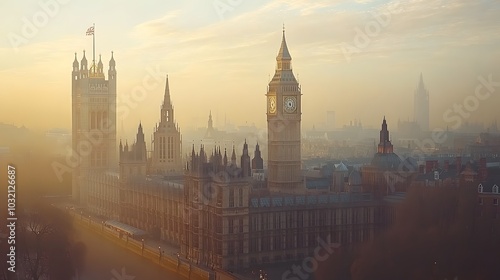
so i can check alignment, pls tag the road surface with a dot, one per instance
(106, 260)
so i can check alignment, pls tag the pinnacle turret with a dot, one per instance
(112, 62)
(75, 63)
(84, 61)
(233, 157)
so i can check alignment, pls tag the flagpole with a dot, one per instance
(93, 46)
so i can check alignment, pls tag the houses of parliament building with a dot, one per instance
(222, 210)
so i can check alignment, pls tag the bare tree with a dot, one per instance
(47, 249)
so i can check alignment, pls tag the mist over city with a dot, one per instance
(247, 140)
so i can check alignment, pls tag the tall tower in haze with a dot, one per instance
(385, 145)
(421, 105)
(283, 126)
(93, 122)
(166, 158)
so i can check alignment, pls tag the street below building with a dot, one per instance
(108, 261)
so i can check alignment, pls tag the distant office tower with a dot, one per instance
(283, 126)
(166, 156)
(330, 120)
(93, 122)
(421, 105)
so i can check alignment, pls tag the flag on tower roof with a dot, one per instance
(90, 31)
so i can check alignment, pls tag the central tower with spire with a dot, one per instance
(283, 126)
(166, 156)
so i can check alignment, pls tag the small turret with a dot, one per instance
(75, 65)
(75, 74)
(112, 63)
(84, 62)
(233, 157)
(112, 73)
(245, 161)
(257, 161)
(83, 67)
(99, 66)
(225, 158)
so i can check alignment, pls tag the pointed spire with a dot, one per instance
(75, 62)
(245, 147)
(283, 53)
(166, 97)
(112, 60)
(139, 130)
(421, 85)
(84, 59)
(99, 65)
(233, 157)
(210, 122)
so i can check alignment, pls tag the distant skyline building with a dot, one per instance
(386, 170)
(210, 133)
(421, 105)
(93, 122)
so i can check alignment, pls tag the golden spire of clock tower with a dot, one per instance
(283, 57)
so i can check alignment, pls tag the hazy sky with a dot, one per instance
(361, 58)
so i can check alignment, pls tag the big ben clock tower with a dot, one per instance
(283, 126)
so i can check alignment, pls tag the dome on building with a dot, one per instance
(355, 178)
(389, 161)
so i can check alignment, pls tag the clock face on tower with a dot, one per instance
(289, 104)
(271, 104)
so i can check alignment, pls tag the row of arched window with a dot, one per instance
(98, 120)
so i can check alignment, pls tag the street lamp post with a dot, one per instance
(159, 252)
(142, 247)
(89, 220)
